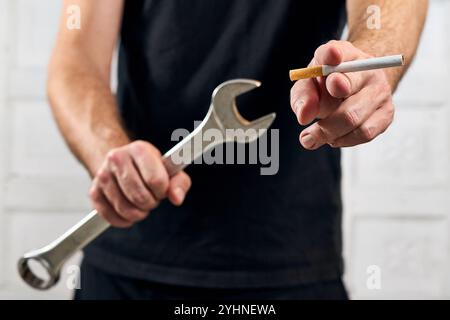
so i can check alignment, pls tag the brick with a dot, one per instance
(38, 148)
(411, 253)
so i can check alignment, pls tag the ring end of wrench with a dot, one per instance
(31, 278)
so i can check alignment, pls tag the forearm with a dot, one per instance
(401, 25)
(85, 110)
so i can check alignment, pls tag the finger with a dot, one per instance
(340, 85)
(179, 186)
(305, 100)
(329, 91)
(148, 160)
(327, 104)
(105, 210)
(335, 52)
(355, 110)
(373, 127)
(310, 99)
(117, 199)
(343, 85)
(130, 182)
(351, 114)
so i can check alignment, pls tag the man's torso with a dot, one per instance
(236, 227)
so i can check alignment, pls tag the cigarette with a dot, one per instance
(349, 66)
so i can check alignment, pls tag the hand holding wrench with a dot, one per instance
(222, 115)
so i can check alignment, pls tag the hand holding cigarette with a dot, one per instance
(352, 107)
(349, 66)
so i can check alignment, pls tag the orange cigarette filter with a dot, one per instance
(306, 73)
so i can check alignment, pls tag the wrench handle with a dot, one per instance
(52, 257)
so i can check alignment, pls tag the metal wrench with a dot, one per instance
(222, 115)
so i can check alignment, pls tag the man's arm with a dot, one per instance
(129, 178)
(355, 108)
(401, 26)
(79, 82)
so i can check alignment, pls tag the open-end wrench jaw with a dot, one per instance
(226, 113)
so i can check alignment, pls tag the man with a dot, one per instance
(236, 234)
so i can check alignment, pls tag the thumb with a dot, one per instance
(179, 185)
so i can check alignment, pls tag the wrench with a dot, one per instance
(222, 115)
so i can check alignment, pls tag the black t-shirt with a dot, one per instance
(237, 228)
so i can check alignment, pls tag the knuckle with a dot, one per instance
(332, 43)
(322, 133)
(141, 147)
(125, 212)
(158, 180)
(391, 113)
(103, 176)
(139, 198)
(129, 213)
(139, 143)
(320, 48)
(111, 154)
(104, 214)
(390, 109)
(154, 150)
(349, 46)
(153, 204)
(352, 118)
(121, 208)
(125, 177)
(366, 133)
(334, 144)
(384, 89)
(141, 215)
(138, 146)
(123, 173)
(94, 194)
(136, 215)
(114, 157)
(135, 149)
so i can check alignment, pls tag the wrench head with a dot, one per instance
(225, 111)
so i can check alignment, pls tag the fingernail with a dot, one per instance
(308, 141)
(298, 106)
(179, 194)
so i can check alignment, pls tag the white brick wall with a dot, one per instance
(397, 188)
(43, 189)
